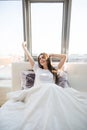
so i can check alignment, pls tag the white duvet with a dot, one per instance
(45, 106)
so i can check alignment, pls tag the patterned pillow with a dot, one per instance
(27, 79)
(62, 79)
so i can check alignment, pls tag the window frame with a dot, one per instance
(65, 22)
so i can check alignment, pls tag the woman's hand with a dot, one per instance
(24, 44)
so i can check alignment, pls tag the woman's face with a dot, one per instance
(43, 59)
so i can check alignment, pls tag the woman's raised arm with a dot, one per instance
(27, 53)
(61, 57)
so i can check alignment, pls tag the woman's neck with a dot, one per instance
(45, 67)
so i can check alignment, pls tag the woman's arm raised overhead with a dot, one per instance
(61, 57)
(27, 53)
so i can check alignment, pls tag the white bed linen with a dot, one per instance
(45, 106)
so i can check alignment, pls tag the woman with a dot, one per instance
(45, 106)
(44, 62)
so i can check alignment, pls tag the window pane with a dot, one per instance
(11, 37)
(46, 19)
(78, 33)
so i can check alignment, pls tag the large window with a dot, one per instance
(11, 37)
(78, 31)
(46, 25)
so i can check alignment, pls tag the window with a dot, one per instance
(11, 37)
(46, 25)
(78, 31)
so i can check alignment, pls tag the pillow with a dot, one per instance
(27, 79)
(62, 79)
